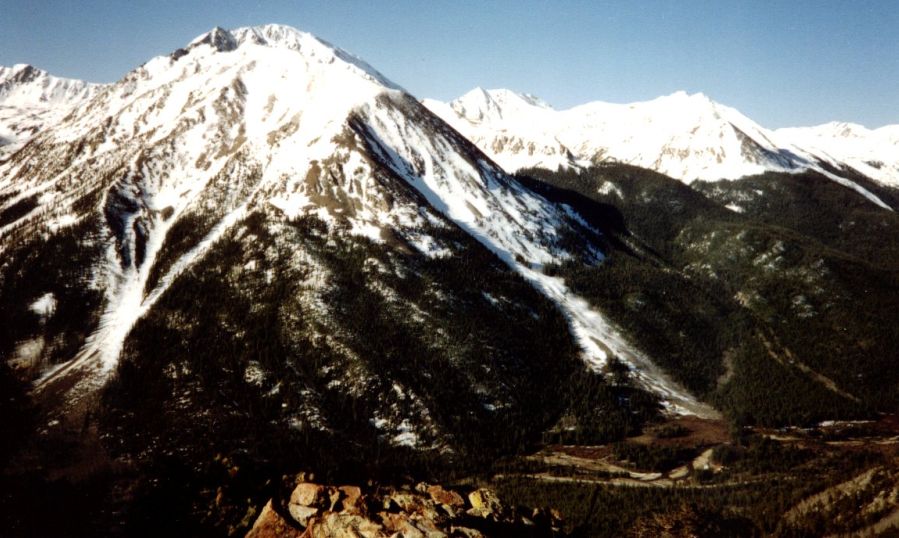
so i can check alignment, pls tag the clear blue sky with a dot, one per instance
(782, 63)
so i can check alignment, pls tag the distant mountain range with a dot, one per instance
(687, 137)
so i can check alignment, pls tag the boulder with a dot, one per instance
(484, 503)
(351, 498)
(301, 514)
(309, 494)
(422, 511)
(446, 497)
(337, 525)
(270, 524)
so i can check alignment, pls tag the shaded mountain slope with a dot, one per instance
(759, 293)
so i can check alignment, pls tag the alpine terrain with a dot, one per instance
(687, 137)
(31, 99)
(256, 288)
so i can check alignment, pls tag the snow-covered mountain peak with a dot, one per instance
(218, 38)
(685, 96)
(26, 85)
(32, 99)
(687, 136)
(843, 129)
(668, 111)
(480, 105)
(265, 121)
(508, 98)
(279, 36)
(874, 153)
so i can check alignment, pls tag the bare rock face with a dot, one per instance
(484, 503)
(270, 524)
(307, 494)
(423, 511)
(447, 498)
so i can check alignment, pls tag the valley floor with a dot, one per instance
(689, 474)
(685, 475)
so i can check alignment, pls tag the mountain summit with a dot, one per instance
(31, 99)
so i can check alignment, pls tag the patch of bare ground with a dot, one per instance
(600, 463)
(690, 431)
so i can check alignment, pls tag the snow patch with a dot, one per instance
(44, 306)
(608, 188)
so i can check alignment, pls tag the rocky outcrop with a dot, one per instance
(270, 523)
(316, 511)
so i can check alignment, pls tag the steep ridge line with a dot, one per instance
(589, 326)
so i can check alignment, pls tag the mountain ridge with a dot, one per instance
(686, 136)
(507, 119)
(32, 99)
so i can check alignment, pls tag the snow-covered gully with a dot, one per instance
(598, 338)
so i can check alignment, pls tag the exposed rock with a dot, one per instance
(406, 526)
(270, 524)
(337, 525)
(427, 511)
(351, 498)
(301, 514)
(445, 497)
(411, 503)
(466, 532)
(308, 494)
(484, 503)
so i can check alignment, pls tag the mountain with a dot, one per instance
(762, 295)
(870, 152)
(31, 99)
(167, 162)
(213, 146)
(687, 137)
(771, 295)
(684, 136)
(259, 248)
(513, 129)
(256, 258)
